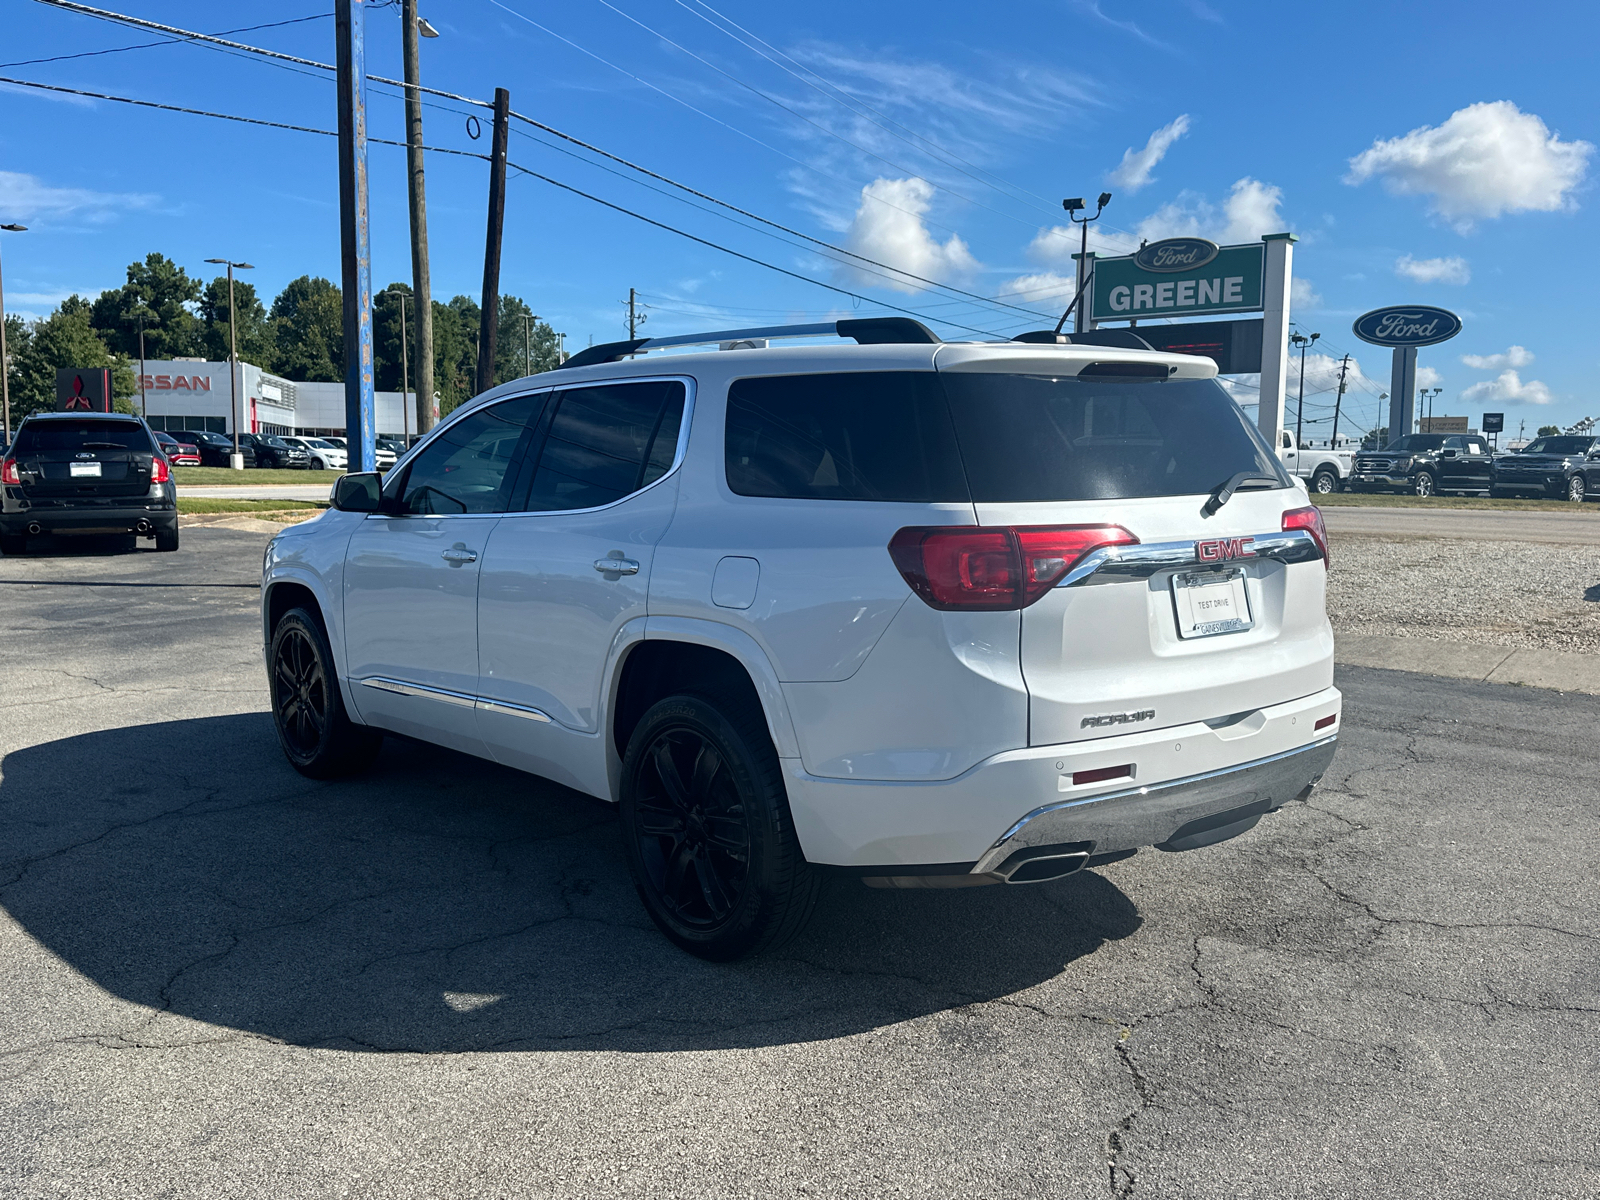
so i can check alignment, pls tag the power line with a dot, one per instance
(173, 41)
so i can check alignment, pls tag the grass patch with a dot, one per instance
(205, 504)
(226, 477)
(1379, 500)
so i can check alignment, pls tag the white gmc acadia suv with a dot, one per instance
(930, 614)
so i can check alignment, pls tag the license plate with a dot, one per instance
(88, 469)
(1211, 602)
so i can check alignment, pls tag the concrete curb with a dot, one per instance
(1558, 670)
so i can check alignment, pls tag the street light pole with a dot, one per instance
(236, 459)
(144, 405)
(1074, 206)
(5, 363)
(1300, 416)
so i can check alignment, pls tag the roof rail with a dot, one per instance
(868, 331)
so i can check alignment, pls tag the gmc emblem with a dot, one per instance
(1222, 549)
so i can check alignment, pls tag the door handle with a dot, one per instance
(459, 555)
(616, 566)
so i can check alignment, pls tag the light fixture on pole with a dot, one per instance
(425, 29)
(1300, 416)
(405, 372)
(1074, 206)
(5, 363)
(236, 459)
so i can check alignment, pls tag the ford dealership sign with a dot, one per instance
(1407, 325)
(1176, 254)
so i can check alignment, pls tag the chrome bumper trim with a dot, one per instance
(1111, 564)
(1147, 816)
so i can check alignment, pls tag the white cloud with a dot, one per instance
(1433, 270)
(1515, 356)
(1250, 210)
(1507, 388)
(1134, 170)
(26, 198)
(1057, 244)
(1302, 294)
(1427, 377)
(1486, 160)
(1043, 289)
(1322, 376)
(888, 227)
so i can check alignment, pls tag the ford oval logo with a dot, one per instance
(1407, 325)
(1176, 254)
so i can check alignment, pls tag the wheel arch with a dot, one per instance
(281, 594)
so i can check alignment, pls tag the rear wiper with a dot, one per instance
(1225, 493)
(103, 445)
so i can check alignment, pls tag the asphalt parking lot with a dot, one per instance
(223, 979)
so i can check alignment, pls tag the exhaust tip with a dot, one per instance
(1040, 864)
(144, 526)
(34, 528)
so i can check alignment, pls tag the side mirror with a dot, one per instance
(359, 493)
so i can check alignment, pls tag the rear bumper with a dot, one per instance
(121, 515)
(1024, 799)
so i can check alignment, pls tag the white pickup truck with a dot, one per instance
(1324, 470)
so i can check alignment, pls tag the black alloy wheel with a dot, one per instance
(707, 830)
(316, 733)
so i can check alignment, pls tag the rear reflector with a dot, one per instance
(1325, 722)
(971, 568)
(1309, 519)
(1101, 774)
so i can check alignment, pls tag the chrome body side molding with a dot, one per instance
(402, 688)
(1111, 564)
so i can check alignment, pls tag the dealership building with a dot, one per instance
(183, 393)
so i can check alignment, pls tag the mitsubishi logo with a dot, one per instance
(1222, 549)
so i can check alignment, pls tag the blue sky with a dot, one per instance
(1424, 152)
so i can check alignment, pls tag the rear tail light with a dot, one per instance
(8, 472)
(968, 568)
(159, 471)
(1309, 519)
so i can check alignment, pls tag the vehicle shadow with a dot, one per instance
(444, 903)
(86, 545)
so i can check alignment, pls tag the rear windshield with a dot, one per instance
(957, 436)
(1559, 445)
(69, 437)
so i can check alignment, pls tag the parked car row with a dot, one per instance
(1427, 464)
(200, 448)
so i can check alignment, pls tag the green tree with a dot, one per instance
(522, 347)
(308, 330)
(386, 357)
(1549, 430)
(164, 293)
(455, 351)
(256, 342)
(66, 338)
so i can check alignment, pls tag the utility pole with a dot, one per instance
(355, 251)
(489, 329)
(144, 406)
(1333, 443)
(633, 320)
(527, 342)
(1300, 415)
(5, 363)
(413, 26)
(236, 459)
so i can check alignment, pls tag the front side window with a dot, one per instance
(605, 443)
(467, 468)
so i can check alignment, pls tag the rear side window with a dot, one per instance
(869, 435)
(69, 437)
(605, 443)
(1039, 437)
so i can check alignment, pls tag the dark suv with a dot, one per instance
(1567, 467)
(77, 473)
(274, 451)
(1425, 464)
(216, 447)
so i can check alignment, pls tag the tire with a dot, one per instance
(1577, 490)
(1325, 482)
(1425, 484)
(13, 544)
(1499, 494)
(707, 830)
(318, 465)
(167, 537)
(318, 737)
